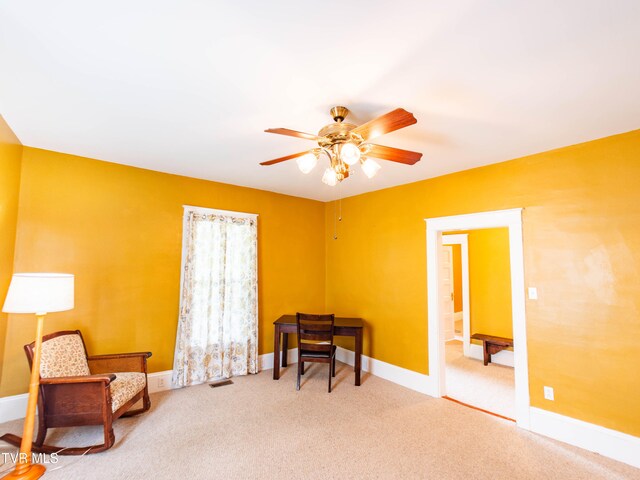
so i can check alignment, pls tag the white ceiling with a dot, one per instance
(188, 87)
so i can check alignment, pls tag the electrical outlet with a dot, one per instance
(161, 382)
(533, 293)
(548, 393)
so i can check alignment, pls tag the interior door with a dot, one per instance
(447, 292)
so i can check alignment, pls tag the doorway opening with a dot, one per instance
(437, 308)
(490, 387)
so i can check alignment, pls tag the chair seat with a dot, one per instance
(317, 354)
(125, 387)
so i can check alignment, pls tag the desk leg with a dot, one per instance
(358, 362)
(285, 348)
(485, 350)
(276, 353)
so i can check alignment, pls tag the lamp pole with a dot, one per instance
(25, 469)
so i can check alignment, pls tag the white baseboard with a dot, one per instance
(610, 443)
(159, 381)
(504, 357)
(407, 378)
(265, 361)
(13, 407)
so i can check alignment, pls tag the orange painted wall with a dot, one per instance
(119, 230)
(10, 159)
(489, 281)
(581, 227)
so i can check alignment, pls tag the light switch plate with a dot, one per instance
(548, 393)
(533, 293)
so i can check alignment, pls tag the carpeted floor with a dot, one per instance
(261, 429)
(491, 388)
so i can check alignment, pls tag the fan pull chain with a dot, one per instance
(335, 221)
(337, 215)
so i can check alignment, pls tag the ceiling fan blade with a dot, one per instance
(284, 159)
(389, 122)
(293, 133)
(394, 154)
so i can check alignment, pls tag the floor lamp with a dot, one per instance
(39, 294)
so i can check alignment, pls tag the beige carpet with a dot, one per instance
(491, 388)
(261, 429)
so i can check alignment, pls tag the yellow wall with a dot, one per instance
(10, 155)
(456, 264)
(118, 229)
(489, 281)
(581, 227)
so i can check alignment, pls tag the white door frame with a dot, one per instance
(462, 239)
(501, 218)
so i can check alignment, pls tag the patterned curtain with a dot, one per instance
(218, 324)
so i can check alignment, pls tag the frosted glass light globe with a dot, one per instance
(349, 154)
(370, 167)
(330, 177)
(307, 162)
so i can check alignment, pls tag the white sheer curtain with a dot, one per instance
(218, 323)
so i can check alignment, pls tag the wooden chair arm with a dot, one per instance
(110, 356)
(104, 378)
(119, 362)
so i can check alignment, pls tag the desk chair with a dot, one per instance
(315, 342)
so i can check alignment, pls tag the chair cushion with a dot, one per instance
(125, 387)
(63, 356)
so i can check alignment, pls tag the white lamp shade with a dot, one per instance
(349, 154)
(306, 162)
(39, 293)
(330, 177)
(370, 167)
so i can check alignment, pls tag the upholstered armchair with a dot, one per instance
(77, 390)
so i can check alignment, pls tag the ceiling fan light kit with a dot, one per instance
(346, 145)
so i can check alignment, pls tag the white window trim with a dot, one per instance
(213, 211)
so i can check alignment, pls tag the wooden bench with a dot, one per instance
(492, 345)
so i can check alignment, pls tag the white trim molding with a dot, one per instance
(214, 211)
(265, 361)
(462, 239)
(407, 378)
(610, 443)
(500, 218)
(13, 407)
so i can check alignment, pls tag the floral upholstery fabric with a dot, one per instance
(125, 386)
(63, 356)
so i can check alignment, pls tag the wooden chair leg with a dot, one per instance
(329, 376)
(333, 366)
(298, 376)
(302, 368)
(42, 433)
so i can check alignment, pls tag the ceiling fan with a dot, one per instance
(346, 144)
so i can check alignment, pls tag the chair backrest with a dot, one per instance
(63, 355)
(313, 329)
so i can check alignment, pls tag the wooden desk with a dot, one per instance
(492, 345)
(286, 324)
